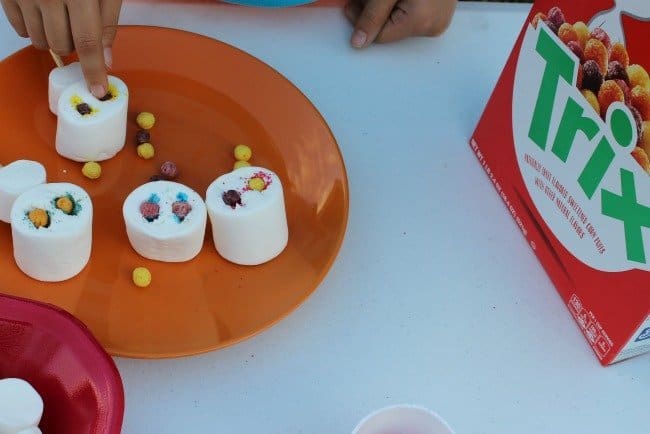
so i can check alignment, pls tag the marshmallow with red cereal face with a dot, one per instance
(248, 216)
(16, 178)
(59, 79)
(91, 129)
(165, 221)
(51, 227)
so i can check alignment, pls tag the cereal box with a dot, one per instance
(565, 140)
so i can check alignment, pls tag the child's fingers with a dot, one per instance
(370, 22)
(87, 30)
(398, 26)
(34, 24)
(57, 28)
(352, 10)
(110, 11)
(15, 17)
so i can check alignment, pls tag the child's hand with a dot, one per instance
(392, 20)
(85, 26)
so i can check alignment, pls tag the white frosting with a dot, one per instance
(61, 250)
(21, 407)
(15, 179)
(255, 231)
(166, 238)
(96, 136)
(59, 79)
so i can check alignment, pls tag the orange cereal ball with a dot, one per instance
(582, 31)
(640, 97)
(618, 53)
(644, 140)
(567, 33)
(592, 99)
(609, 93)
(596, 51)
(539, 16)
(65, 204)
(39, 218)
(641, 157)
(638, 76)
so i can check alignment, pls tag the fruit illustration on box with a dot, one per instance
(607, 73)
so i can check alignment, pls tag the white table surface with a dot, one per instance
(435, 298)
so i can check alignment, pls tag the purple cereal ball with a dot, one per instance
(181, 209)
(616, 71)
(592, 79)
(142, 136)
(556, 16)
(626, 91)
(555, 29)
(638, 119)
(169, 170)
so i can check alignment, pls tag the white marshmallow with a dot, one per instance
(96, 136)
(15, 179)
(255, 231)
(59, 79)
(21, 407)
(167, 238)
(61, 250)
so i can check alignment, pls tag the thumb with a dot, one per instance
(110, 10)
(399, 25)
(371, 21)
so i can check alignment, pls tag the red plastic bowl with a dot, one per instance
(78, 381)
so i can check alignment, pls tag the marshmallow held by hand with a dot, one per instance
(165, 221)
(15, 179)
(89, 129)
(21, 407)
(59, 79)
(51, 227)
(246, 209)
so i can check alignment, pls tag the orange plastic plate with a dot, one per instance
(207, 97)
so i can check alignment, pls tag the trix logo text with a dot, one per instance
(560, 65)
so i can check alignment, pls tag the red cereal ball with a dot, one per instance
(556, 16)
(609, 93)
(602, 36)
(641, 157)
(579, 77)
(575, 47)
(539, 16)
(592, 78)
(150, 211)
(616, 71)
(596, 51)
(619, 54)
(626, 90)
(552, 26)
(640, 97)
(181, 209)
(169, 170)
(567, 33)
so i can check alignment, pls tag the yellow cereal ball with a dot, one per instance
(141, 277)
(146, 151)
(638, 76)
(583, 33)
(39, 218)
(239, 164)
(65, 204)
(146, 120)
(644, 140)
(256, 184)
(91, 170)
(243, 153)
(592, 99)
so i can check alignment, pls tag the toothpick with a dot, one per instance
(57, 59)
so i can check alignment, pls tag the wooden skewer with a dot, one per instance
(57, 59)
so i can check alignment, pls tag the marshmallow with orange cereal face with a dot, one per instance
(90, 129)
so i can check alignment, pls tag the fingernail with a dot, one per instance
(108, 57)
(359, 38)
(98, 90)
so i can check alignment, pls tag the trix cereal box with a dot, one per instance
(565, 139)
